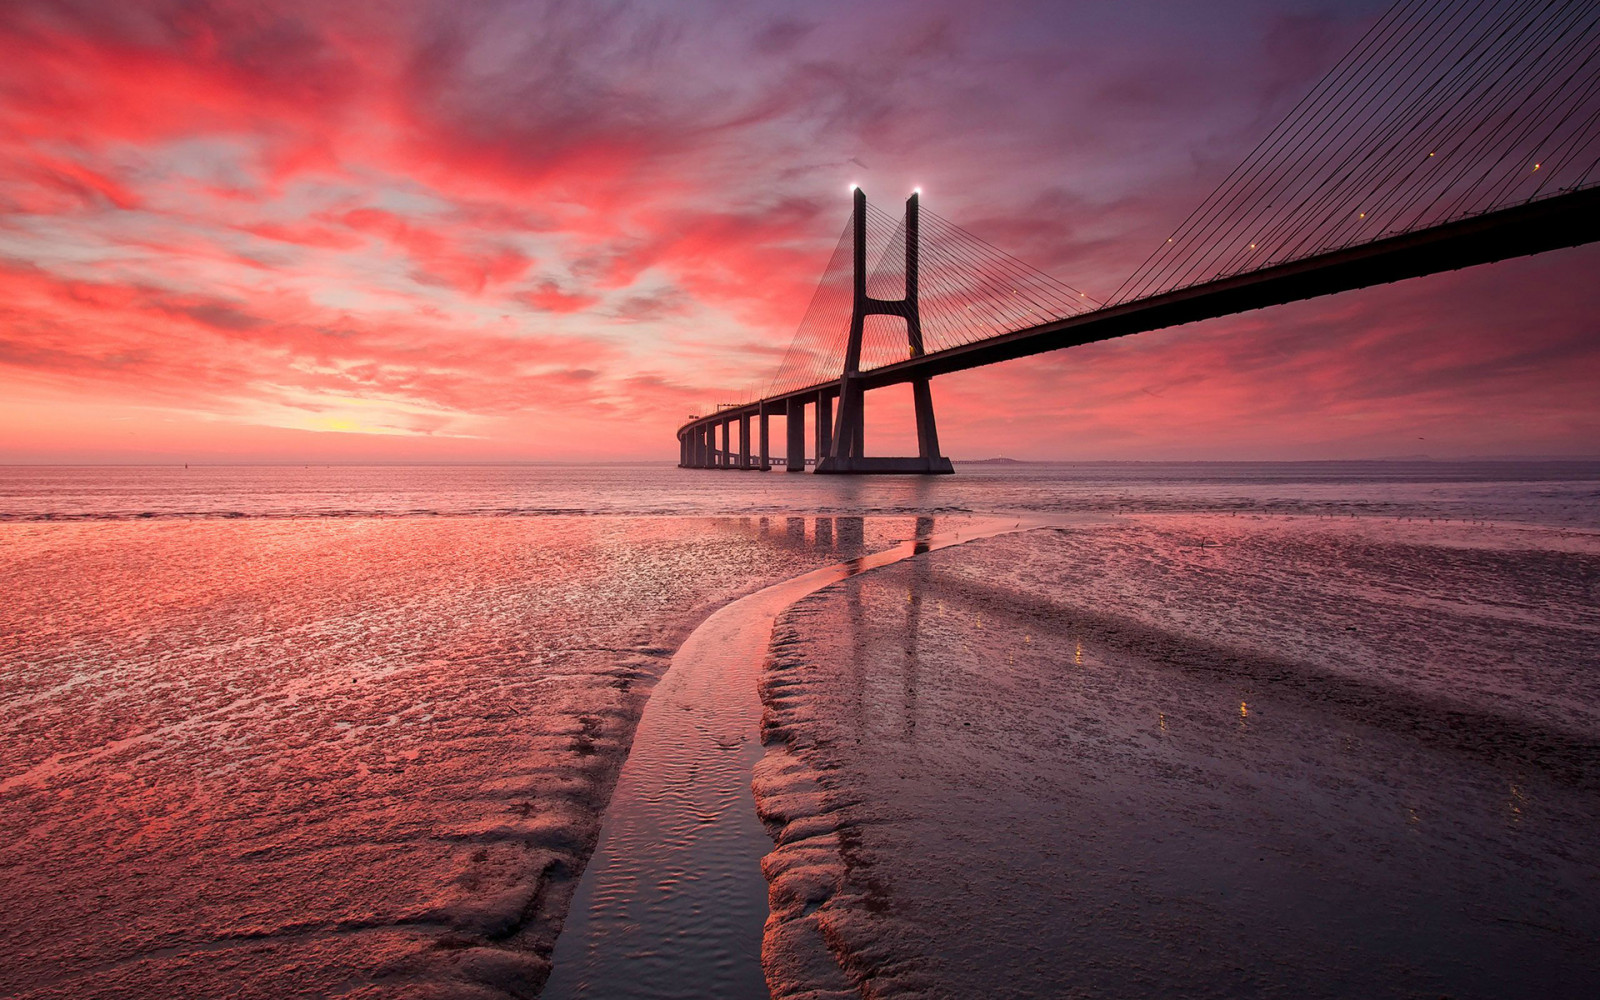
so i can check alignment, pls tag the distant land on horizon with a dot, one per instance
(212, 462)
(1002, 460)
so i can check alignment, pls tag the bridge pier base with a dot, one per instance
(879, 466)
(927, 430)
(766, 453)
(795, 430)
(744, 441)
(824, 426)
(848, 457)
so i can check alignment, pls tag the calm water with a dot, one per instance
(1542, 492)
(305, 731)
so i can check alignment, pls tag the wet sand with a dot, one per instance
(354, 756)
(673, 901)
(366, 755)
(1193, 757)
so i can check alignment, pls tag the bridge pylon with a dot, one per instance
(847, 451)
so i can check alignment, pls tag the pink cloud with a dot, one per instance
(535, 220)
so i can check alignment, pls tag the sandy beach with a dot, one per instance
(278, 757)
(367, 748)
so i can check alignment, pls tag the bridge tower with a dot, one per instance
(846, 451)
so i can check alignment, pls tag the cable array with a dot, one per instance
(968, 290)
(816, 354)
(1441, 111)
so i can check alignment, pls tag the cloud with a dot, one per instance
(517, 222)
(548, 296)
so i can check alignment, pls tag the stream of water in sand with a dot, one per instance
(673, 901)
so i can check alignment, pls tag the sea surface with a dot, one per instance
(1555, 492)
(281, 731)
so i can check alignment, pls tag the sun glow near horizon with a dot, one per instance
(312, 225)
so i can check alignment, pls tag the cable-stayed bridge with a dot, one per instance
(1453, 133)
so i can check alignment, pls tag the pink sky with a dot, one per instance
(285, 230)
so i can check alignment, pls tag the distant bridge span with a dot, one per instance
(1554, 223)
(1485, 153)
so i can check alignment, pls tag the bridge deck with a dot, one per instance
(1563, 220)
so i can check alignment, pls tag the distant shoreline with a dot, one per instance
(216, 463)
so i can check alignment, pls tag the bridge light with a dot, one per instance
(854, 187)
(1363, 215)
(1252, 246)
(916, 190)
(1430, 154)
(1536, 166)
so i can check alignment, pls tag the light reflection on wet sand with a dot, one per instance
(234, 748)
(270, 757)
(1302, 759)
(674, 900)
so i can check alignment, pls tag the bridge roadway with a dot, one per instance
(1563, 220)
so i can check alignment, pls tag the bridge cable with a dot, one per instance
(1505, 91)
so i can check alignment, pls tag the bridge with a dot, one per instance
(1450, 135)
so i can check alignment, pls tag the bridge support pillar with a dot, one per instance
(927, 430)
(744, 441)
(849, 452)
(824, 427)
(858, 430)
(795, 429)
(766, 453)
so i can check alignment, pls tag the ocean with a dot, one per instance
(1218, 728)
(1553, 492)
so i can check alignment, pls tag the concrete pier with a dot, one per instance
(766, 452)
(824, 429)
(796, 431)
